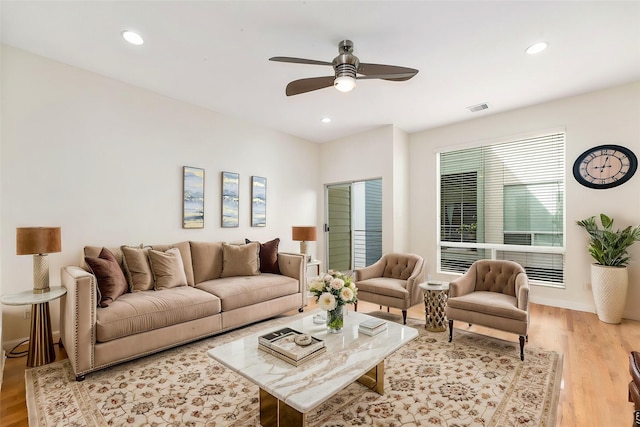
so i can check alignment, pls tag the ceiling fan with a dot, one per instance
(347, 68)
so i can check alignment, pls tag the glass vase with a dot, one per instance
(335, 320)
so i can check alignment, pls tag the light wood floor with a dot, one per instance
(595, 372)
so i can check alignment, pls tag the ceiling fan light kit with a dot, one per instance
(344, 83)
(346, 68)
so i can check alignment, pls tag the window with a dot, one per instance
(505, 201)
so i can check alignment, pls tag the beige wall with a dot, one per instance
(103, 160)
(607, 116)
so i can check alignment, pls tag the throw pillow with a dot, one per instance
(167, 268)
(137, 268)
(111, 280)
(240, 260)
(269, 256)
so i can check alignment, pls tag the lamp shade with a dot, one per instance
(304, 234)
(38, 240)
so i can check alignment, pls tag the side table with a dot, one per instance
(435, 305)
(41, 350)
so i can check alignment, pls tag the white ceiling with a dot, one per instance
(215, 54)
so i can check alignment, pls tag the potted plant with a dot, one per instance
(609, 275)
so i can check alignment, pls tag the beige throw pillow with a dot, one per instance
(137, 268)
(240, 260)
(167, 268)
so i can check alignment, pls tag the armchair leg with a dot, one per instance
(522, 339)
(404, 317)
(355, 306)
(450, 330)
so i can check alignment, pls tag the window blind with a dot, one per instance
(502, 201)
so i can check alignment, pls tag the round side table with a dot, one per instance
(435, 305)
(41, 350)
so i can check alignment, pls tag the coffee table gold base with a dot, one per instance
(276, 413)
(374, 379)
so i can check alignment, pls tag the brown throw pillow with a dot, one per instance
(240, 260)
(167, 268)
(111, 280)
(137, 268)
(269, 256)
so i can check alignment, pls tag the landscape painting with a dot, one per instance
(258, 201)
(230, 199)
(193, 197)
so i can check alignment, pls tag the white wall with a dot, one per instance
(103, 160)
(379, 153)
(607, 116)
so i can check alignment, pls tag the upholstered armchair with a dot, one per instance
(492, 293)
(634, 386)
(392, 281)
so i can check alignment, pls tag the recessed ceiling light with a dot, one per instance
(326, 120)
(133, 38)
(536, 48)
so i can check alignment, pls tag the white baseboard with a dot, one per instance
(589, 308)
(571, 305)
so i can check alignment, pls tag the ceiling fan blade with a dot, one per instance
(380, 69)
(297, 87)
(394, 77)
(299, 60)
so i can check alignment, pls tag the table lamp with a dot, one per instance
(303, 235)
(38, 241)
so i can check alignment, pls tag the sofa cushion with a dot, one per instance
(94, 252)
(387, 286)
(269, 256)
(241, 291)
(240, 260)
(111, 280)
(207, 260)
(399, 266)
(137, 268)
(492, 303)
(139, 312)
(185, 253)
(167, 267)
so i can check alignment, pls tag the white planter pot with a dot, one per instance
(609, 286)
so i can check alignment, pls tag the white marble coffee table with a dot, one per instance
(288, 392)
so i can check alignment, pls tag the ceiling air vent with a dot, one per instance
(478, 107)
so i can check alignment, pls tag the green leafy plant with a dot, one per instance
(608, 246)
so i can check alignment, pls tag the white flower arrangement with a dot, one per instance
(333, 289)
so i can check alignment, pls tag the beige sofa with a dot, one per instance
(218, 296)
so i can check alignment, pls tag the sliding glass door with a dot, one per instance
(353, 229)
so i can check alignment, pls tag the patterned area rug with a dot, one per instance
(474, 381)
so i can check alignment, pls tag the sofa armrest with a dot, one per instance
(295, 266)
(413, 282)
(464, 284)
(522, 291)
(374, 270)
(78, 317)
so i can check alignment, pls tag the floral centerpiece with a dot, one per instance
(332, 291)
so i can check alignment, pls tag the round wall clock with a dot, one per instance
(605, 166)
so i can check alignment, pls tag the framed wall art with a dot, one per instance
(192, 197)
(258, 201)
(230, 199)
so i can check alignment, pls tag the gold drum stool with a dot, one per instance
(435, 305)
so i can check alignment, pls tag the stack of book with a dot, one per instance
(372, 326)
(281, 343)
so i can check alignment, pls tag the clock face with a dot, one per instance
(605, 166)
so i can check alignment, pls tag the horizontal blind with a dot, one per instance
(506, 194)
